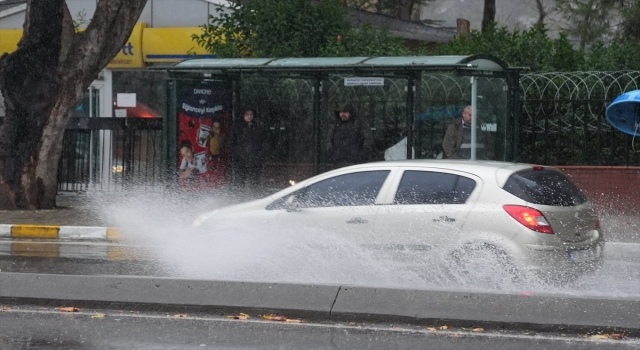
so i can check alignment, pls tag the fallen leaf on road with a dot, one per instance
(617, 335)
(432, 329)
(98, 316)
(293, 320)
(239, 317)
(600, 336)
(445, 327)
(274, 317)
(180, 315)
(4, 308)
(68, 309)
(478, 329)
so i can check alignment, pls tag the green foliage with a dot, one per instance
(366, 41)
(531, 48)
(274, 28)
(589, 20)
(619, 55)
(80, 21)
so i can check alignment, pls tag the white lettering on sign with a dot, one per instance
(201, 110)
(489, 127)
(202, 91)
(358, 81)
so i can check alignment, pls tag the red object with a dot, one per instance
(531, 218)
(139, 111)
(538, 168)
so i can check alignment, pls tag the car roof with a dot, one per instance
(485, 169)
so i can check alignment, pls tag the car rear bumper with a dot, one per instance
(565, 260)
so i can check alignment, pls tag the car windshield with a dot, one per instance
(356, 189)
(545, 187)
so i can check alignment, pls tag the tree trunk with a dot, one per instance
(404, 9)
(42, 82)
(542, 14)
(489, 14)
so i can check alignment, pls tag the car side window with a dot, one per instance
(344, 190)
(430, 187)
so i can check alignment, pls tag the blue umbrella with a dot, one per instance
(624, 113)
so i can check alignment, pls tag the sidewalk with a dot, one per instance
(73, 210)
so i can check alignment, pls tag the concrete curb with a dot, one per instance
(515, 311)
(59, 232)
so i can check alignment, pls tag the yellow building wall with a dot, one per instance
(145, 45)
(9, 39)
(171, 44)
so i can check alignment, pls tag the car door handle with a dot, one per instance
(357, 221)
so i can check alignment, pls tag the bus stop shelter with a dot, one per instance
(405, 100)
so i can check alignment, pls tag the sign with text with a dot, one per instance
(203, 121)
(126, 100)
(359, 81)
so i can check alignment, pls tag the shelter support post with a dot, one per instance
(317, 89)
(474, 116)
(411, 89)
(170, 133)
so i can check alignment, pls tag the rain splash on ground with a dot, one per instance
(245, 250)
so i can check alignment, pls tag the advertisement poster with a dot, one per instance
(203, 123)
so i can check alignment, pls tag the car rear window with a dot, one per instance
(545, 187)
(430, 187)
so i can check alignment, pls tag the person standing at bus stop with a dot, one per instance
(349, 140)
(249, 146)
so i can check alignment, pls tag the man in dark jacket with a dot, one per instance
(248, 145)
(457, 139)
(350, 139)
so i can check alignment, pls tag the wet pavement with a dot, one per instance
(73, 210)
(25, 327)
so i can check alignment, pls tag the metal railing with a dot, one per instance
(563, 121)
(111, 154)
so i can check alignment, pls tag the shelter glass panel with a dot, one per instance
(382, 106)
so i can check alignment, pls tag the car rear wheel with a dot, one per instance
(482, 265)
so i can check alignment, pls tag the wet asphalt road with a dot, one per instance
(39, 328)
(29, 327)
(620, 275)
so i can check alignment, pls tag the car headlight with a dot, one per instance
(202, 218)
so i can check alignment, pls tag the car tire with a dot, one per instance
(483, 265)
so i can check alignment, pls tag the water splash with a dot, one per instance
(250, 251)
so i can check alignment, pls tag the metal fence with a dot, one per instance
(111, 154)
(563, 119)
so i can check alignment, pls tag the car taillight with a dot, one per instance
(530, 218)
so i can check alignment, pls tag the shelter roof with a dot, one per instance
(318, 64)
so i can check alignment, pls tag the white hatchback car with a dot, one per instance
(527, 216)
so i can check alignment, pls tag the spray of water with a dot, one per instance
(245, 250)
